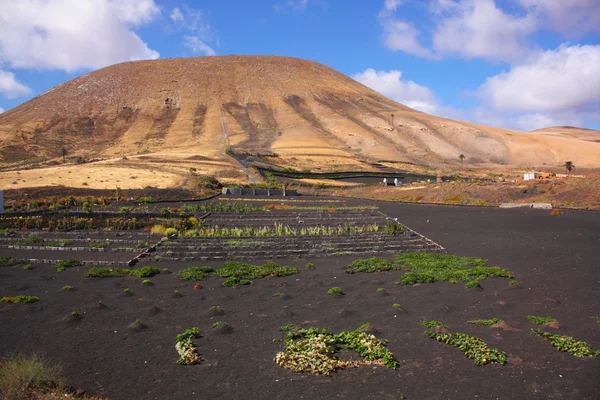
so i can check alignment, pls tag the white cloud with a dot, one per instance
(176, 15)
(402, 36)
(1, 110)
(566, 16)
(390, 84)
(567, 78)
(198, 46)
(480, 29)
(392, 5)
(73, 34)
(10, 87)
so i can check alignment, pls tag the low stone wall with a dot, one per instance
(541, 206)
(259, 192)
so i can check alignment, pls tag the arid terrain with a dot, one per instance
(146, 123)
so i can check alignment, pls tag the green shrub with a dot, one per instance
(219, 323)
(188, 353)
(28, 267)
(144, 272)
(147, 282)
(75, 314)
(209, 182)
(239, 273)
(67, 288)
(309, 266)
(393, 228)
(195, 273)
(380, 290)
(513, 282)
(396, 305)
(171, 232)
(540, 320)
(105, 272)
(569, 344)
(431, 324)
(279, 294)
(288, 327)
(20, 299)
(7, 261)
(335, 290)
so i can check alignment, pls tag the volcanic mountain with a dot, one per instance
(176, 114)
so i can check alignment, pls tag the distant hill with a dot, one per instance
(193, 112)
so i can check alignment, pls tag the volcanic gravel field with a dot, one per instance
(555, 259)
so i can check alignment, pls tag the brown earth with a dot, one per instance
(167, 116)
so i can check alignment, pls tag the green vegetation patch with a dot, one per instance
(569, 344)
(7, 261)
(106, 272)
(370, 265)
(239, 273)
(431, 267)
(26, 377)
(540, 320)
(68, 263)
(195, 273)
(485, 322)
(20, 299)
(316, 350)
(188, 353)
(431, 324)
(471, 346)
(336, 290)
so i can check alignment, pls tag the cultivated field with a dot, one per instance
(115, 336)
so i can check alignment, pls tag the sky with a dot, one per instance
(518, 64)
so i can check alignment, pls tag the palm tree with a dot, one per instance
(569, 166)
(462, 157)
(64, 154)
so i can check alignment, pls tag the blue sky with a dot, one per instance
(520, 64)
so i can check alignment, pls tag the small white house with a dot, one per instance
(529, 176)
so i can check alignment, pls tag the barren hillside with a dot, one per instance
(174, 114)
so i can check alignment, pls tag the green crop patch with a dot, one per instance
(431, 324)
(472, 347)
(20, 299)
(68, 263)
(316, 350)
(105, 272)
(430, 268)
(370, 265)
(485, 322)
(195, 273)
(540, 320)
(239, 273)
(188, 353)
(568, 344)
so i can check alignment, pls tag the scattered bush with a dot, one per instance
(431, 324)
(513, 282)
(336, 290)
(20, 299)
(569, 344)
(209, 182)
(485, 322)
(393, 228)
(28, 267)
(147, 282)
(171, 232)
(540, 320)
(27, 376)
(370, 265)
(471, 346)
(239, 273)
(309, 266)
(195, 273)
(314, 350)
(144, 272)
(7, 261)
(380, 290)
(106, 272)
(188, 353)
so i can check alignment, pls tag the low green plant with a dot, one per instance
(147, 282)
(195, 273)
(472, 347)
(215, 308)
(127, 290)
(143, 244)
(335, 290)
(20, 299)
(485, 322)
(67, 288)
(171, 232)
(432, 267)
(219, 323)
(288, 327)
(393, 228)
(68, 263)
(145, 272)
(279, 294)
(380, 290)
(139, 322)
(99, 245)
(315, 350)
(597, 319)
(568, 344)
(108, 272)
(513, 282)
(540, 320)
(28, 267)
(431, 324)
(370, 265)
(7, 261)
(396, 305)
(309, 266)
(188, 353)
(75, 314)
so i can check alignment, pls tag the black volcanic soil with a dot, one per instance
(555, 259)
